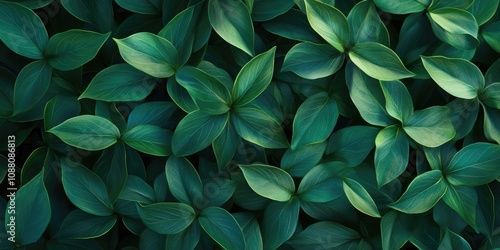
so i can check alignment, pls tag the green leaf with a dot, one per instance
(455, 27)
(426, 234)
(111, 167)
(319, 183)
(463, 115)
(351, 144)
(197, 131)
(293, 25)
(452, 240)
(312, 61)
(32, 211)
(298, 162)
(22, 30)
(225, 146)
(232, 21)
(367, 96)
(279, 222)
(491, 124)
(80, 225)
(253, 78)
(400, 6)
(32, 4)
(258, 127)
(431, 127)
(396, 229)
(85, 189)
(458, 77)
(166, 217)
(137, 190)
(265, 10)
(422, 193)
(222, 227)
(146, 7)
(207, 91)
(391, 154)
(87, 132)
(119, 83)
(180, 96)
(366, 25)
(490, 96)
(483, 10)
(183, 181)
(149, 53)
(318, 113)
(268, 181)
(398, 101)
(360, 198)
(458, 4)
(96, 12)
(251, 230)
(73, 48)
(149, 139)
(455, 197)
(31, 85)
(151, 240)
(186, 239)
(329, 23)
(328, 235)
(481, 169)
(59, 109)
(154, 113)
(378, 61)
(217, 191)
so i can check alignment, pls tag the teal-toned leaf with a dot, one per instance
(265, 10)
(458, 4)
(32, 4)
(320, 184)
(351, 144)
(119, 83)
(452, 240)
(391, 154)
(431, 127)
(80, 225)
(328, 235)
(311, 61)
(360, 198)
(186, 239)
(427, 233)
(149, 53)
(197, 131)
(422, 193)
(329, 23)
(458, 77)
(279, 222)
(366, 25)
(455, 197)
(137, 190)
(483, 10)
(149, 139)
(318, 113)
(222, 227)
(455, 27)
(85, 189)
(293, 25)
(253, 78)
(400, 7)
(217, 191)
(152, 240)
(183, 181)
(465, 170)
(22, 30)
(268, 181)
(59, 109)
(154, 113)
(145, 7)
(31, 85)
(87, 132)
(232, 21)
(166, 217)
(298, 162)
(396, 229)
(412, 43)
(251, 230)
(207, 91)
(441, 156)
(32, 166)
(225, 146)
(111, 167)
(398, 101)
(378, 61)
(96, 12)
(463, 115)
(492, 124)
(490, 96)
(258, 127)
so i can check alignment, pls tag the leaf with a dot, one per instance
(293, 25)
(400, 6)
(253, 78)
(166, 217)
(197, 131)
(232, 21)
(463, 115)
(490, 96)
(96, 12)
(321, 182)
(207, 91)
(279, 222)
(251, 230)
(22, 30)
(217, 191)
(454, 197)
(483, 10)
(87, 132)
(481, 169)
(145, 7)
(222, 227)
(85, 189)
(365, 24)
(269, 182)
(32, 4)
(151, 240)
(149, 53)
(431, 127)
(312, 61)
(32, 211)
(351, 144)
(298, 162)
(59, 109)
(183, 181)
(31, 85)
(318, 113)
(73, 48)
(186, 239)
(226, 145)
(360, 198)
(458, 4)
(455, 27)
(456, 76)
(491, 123)
(154, 113)
(422, 193)
(328, 235)
(137, 190)
(452, 240)
(396, 229)
(398, 101)
(119, 83)
(149, 139)
(80, 225)
(329, 23)
(256, 126)
(111, 167)
(391, 154)
(378, 61)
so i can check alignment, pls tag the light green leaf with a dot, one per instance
(268, 181)
(422, 193)
(483, 10)
(312, 61)
(222, 227)
(149, 53)
(452, 240)
(318, 113)
(183, 181)
(166, 217)
(351, 144)
(391, 154)
(31, 85)
(137, 190)
(87, 132)
(431, 127)
(329, 23)
(366, 25)
(232, 21)
(398, 101)
(360, 198)
(490, 96)
(298, 162)
(458, 4)
(328, 235)
(80, 225)
(279, 222)
(318, 185)
(455, 197)
(400, 6)
(396, 229)
(378, 61)
(149, 139)
(455, 26)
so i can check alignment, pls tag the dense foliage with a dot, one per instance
(256, 124)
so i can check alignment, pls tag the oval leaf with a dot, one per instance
(360, 198)
(268, 181)
(149, 139)
(329, 23)
(183, 181)
(431, 127)
(312, 61)
(222, 227)
(80, 225)
(166, 217)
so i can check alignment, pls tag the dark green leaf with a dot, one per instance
(149, 139)
(366, 25)
(483, 10)
(458, 4)
(491, 124)
(96, 12)
(455, 197)
(217, 191)
(31, 85)
(265, 10)
(183, 181)
(455, 27)
(146, 7)
(279, 222)
(328, 235)
(311, 61)
(226, 145)
(166, 217)
(463, 115)
(222, 227)
(490, 96)
(59, 109)
(396, 229)
(298, 162)
(251, 230)
(154, 113)
(152, 240)
(452, 240)
(32, 4)
(400, 6)
(137, 190)
(111, 167)
(360, 198)
(329, 23)
(391, 154)
(268, 181)
(398, 101)
(351, 144)
(319, 184)
(80, 225)
(187, 239)
(293, 25)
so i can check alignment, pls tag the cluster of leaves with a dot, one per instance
(256, 124)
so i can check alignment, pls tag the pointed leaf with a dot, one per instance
(312, 61)
(351, 144)
(166, 217)
(80, 225)
(222, 227)
(183, 181)
(31, 85)
(431, 127)
(360, 198)
(396, 229)
(279, 222)
(149, 139)
(398, 101)
(328, 235)
(268, 181)
(329, 23)
(391, 154)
